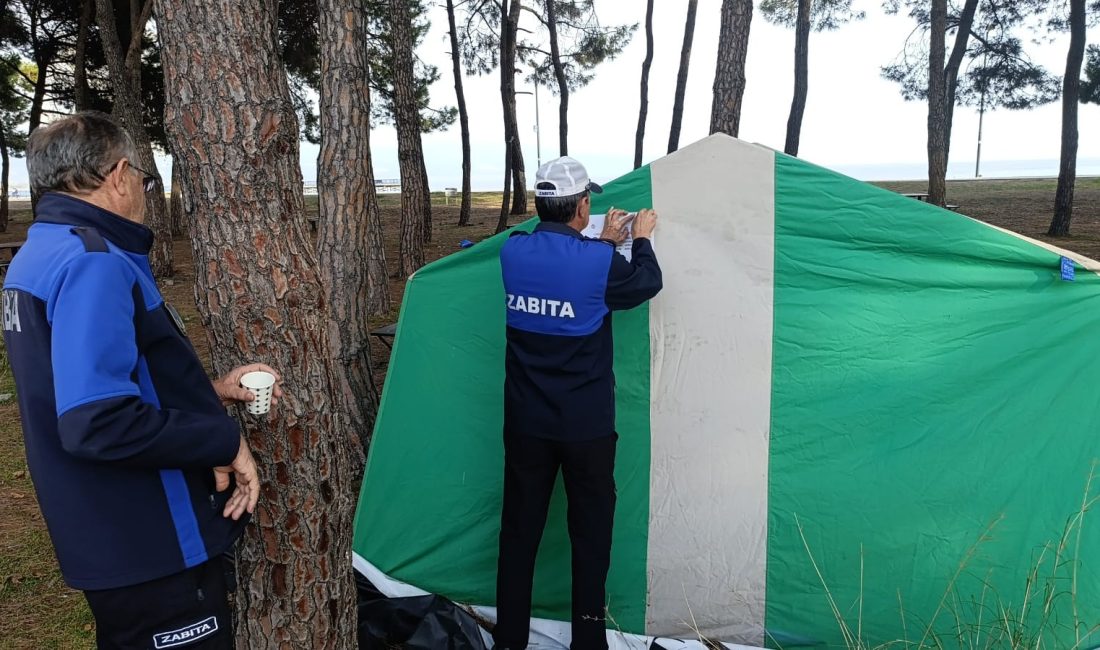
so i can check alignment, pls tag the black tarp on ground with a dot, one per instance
(417, 623)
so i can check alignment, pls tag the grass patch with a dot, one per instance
(37, 609)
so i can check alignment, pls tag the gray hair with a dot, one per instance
(75, 153)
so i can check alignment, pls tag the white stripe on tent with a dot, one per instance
(545, 634)
(1085, 262)
(711, 332)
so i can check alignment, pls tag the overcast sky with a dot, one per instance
(855, 120)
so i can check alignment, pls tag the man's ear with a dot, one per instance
(115, 180)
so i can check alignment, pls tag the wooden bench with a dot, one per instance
(386, 334)
(12, 247)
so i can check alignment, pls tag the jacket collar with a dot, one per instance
(559, 228)
(55, 207)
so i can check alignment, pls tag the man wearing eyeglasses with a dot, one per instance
(143, 478)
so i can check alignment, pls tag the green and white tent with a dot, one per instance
(845, 405)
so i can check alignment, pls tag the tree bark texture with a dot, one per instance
(410, 155)
(175, 201)
(643, 105)
(937, 106)
(38, 97)
(954, 63)
(127, 108)
(509, 32)
(349, 238)
(5, 166)
(801, 78)
(729, 75)
(1071, 95)
(463, 117)
(426, 210)
(509, 28)
(80, 58)
(682, 76)
(563, 83)
(519, 169)
(502, 222)
(261, 299)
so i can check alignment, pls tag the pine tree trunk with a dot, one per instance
(80, 58)
(682, 76)
(127, 96)
(509, 27)
(509, 31)
(463, 117)
(38, 97)
(951, 71)
(643, 106)
(410, 156)
(175, 201)
(563, 83)
(937, 106)
(1071, 96)
(5, 166)
(261, 299)
(502, 222)
(348, 210)
(801, 78)
(729, 75)
(426, 210)
(519, 171)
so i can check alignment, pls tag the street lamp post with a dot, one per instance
(538, 133)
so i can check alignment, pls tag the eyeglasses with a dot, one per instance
(148, 181)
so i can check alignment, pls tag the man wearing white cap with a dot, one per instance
(559, 391)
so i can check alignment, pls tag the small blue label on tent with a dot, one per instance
(1067, 269)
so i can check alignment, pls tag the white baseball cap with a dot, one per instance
(567, 176)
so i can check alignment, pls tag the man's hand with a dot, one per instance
(645, 223)
(229, 388)
(247, 492)
(614, 226)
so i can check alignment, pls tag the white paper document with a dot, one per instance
(595, 228)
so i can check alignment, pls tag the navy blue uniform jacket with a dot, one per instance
(121, 422)
(560, 289)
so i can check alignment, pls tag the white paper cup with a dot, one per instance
(260, 384)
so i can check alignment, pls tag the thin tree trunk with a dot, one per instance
(682, 76)
(261, 296)
(502, 222)
(1071, 95)
(563, 83)
(643, 106)
(348, 207)
(140, 12)
(175, 201)
(463, 117)
(5, 165)
(519, 171)
(80, 58)
(509, 27)
(410, 155)
(954, 63)
(128, 110)
(39, 95)
(426, 210)
(801, 78)
(937, 106)
(729, 75)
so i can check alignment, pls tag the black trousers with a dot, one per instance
(188, 610)
(530, 470)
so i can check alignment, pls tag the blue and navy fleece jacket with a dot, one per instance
(560, 289)
(121, 423)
